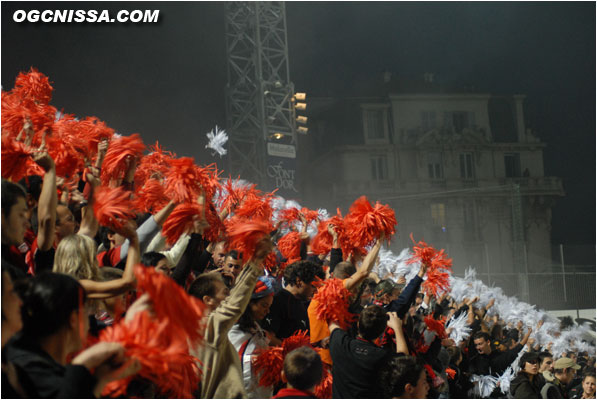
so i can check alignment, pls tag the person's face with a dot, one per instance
(219, 255)
(420, 391)
(163, 267)
(221, 293)
(15, 223)
(115, 304)
(532, 367)
(11, 307)
(260, 308)
(305, 290)
(568, 376)
(233, 266)
(588, 386)
(546, 365)
(65, 223)
(483, 346)
(116, 239)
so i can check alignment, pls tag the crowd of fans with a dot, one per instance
(275, 320)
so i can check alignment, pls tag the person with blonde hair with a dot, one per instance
(76, 256)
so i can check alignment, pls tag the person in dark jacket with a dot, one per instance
(526, 383)
(488, 361)
(53, 324)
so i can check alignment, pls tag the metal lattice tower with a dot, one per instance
(259, 91)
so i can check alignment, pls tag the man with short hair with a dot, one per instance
(493, 362)
(14, 226)
(288, 312)
(555, 387)
(232, 266)
(302, 373)
(545, 362)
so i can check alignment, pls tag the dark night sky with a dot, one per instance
(166, 80)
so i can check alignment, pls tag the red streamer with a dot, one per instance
(112, 206)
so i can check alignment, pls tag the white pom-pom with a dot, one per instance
(217, 140)
(459, 328)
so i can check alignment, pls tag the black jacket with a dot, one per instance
(494, 363)
(521, 387)
(50, 379)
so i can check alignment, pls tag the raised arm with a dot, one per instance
(89, 224)
(48, 199)
(396, 324)
(365, 268)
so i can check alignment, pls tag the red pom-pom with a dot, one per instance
(216, 228)
(66, 149)
(92, 130)
(183, 181)
(16, 110)
(112, 206)
(289, 215)
(34, 85)
(310, 215)
(324, 389)
(435, 326)
(180, 221)
(333, 300)
(115, 161)
(154, 165)
(365, 223)
(267, 365)
(271, 264)
(451, 373)
(151, 196)
(439, 267)
(163, 355)
(171, 301)
(290, 245)
(16, 159)
(255, 205)
(298, 339)
(322, 242)
(234, 193)
(244, 234)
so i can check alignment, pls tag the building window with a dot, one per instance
(512, 165)
(428, 120)
(459, 120)
(471, 227)
(374, 124)
(434, 165)
(438, 214)
(466, 166)
(379, 168)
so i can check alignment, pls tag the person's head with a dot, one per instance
(303, 369)
(372, 322)
(384, 291)
(482, 343)
(53, 305)
(403, 377)
(11, 308)
(156, 260)
(219, 254)
(529, 363)
(233, 263)
(75, 256)
(113, 304)
(564, 369)
(588, 384)
(545, 361)
(344, 270)
(259, 305)
(65, 222)
(209, 288)
(419, 298)
(14, 213)
(299, 277)
(455, 355)
(32, 185)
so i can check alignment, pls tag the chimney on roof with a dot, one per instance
(428, 77)
(387, 76)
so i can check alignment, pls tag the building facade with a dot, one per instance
(461, 170)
